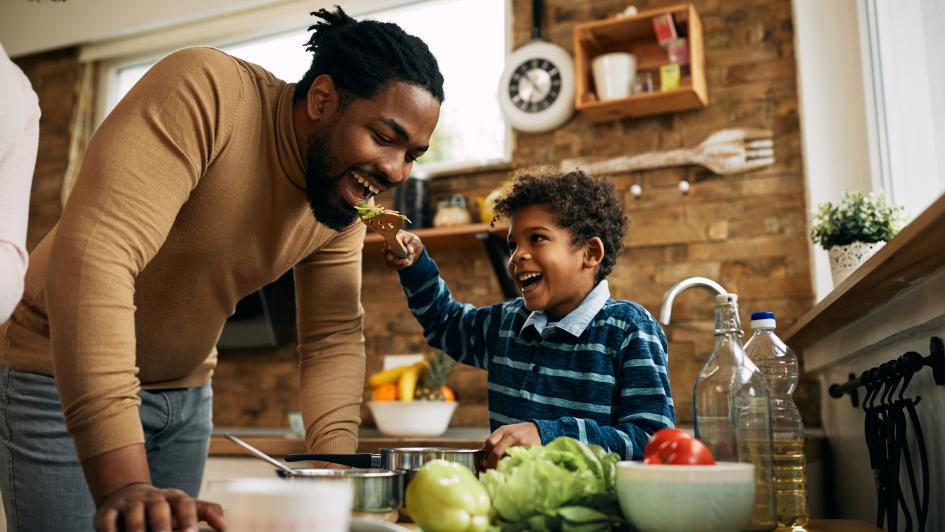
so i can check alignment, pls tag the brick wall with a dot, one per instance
(55, 78)
(747, 232)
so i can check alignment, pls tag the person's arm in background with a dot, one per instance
(331, 342)
(19, 138)
(645, 404)
(141, 166)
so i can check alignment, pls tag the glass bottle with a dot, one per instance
(732, 408)
(779, 365)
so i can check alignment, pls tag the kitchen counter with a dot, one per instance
(280, 442)
(815, 525)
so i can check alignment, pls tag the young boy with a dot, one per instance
(565, 358)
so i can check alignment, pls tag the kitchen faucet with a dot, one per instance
(674, 291)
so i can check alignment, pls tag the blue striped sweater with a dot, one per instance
(609, 385)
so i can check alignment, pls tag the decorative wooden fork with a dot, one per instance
(388, 225)
(725, 152)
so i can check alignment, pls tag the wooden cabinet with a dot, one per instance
(635, 34)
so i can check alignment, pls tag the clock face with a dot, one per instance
(536, 90)
(534, 85)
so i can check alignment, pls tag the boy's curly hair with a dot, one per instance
(585, 206)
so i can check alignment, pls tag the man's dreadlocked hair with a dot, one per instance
(362, 56)
(585, 206)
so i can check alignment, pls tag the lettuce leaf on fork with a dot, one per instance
(366, 212)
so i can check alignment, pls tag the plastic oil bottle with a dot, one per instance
(779, 365)
(732, 408)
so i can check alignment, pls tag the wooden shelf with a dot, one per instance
(635, 35)
(905, 260)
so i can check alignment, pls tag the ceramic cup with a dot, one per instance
(614, 74)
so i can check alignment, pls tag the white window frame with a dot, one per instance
(897, 153)
(117, 54)
(844, 135)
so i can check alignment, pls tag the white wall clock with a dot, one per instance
(536, 90)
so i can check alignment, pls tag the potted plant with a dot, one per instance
(854, 230)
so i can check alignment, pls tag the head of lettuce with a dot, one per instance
(564, 485)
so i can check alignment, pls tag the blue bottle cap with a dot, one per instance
(762, 315)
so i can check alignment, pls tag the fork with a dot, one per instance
(725, 152)
(387, 225)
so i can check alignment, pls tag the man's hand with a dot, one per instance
(414, 249)
(141, 507)
(498, 443)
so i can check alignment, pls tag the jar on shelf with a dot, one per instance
(451, 211)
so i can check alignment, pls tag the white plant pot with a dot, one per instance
(845, 259)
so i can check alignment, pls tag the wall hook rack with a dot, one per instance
(905, 366)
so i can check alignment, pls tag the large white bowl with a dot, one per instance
(414, 418)
(666, 498)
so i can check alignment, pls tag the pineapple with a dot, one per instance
(434, 378)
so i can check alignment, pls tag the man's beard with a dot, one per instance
(321, 187)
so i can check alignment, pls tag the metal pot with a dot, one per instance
(378, 493)
(406, 459)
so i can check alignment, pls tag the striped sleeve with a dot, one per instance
(458, 330)
(645, 404)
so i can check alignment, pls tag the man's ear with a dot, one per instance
(322, 98)
(593, 253)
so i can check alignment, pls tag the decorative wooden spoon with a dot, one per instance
(388, 225)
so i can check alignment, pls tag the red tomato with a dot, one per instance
(687, 452)
(676, 447)
(662, 438)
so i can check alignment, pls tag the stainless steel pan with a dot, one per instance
(406, 459)
(378, 493)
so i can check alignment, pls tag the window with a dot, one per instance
(905, 88)
(468, 38)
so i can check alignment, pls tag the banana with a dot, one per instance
(407, 384)
(388, 375)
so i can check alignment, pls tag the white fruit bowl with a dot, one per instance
(696, 498)
(414, 418)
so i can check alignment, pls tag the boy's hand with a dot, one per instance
(414, 249)
(507, 436)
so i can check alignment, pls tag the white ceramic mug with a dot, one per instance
(614, 74)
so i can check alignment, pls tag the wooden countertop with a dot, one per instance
(371, 441)
(909, 257)
(815, 525)
(279, 443)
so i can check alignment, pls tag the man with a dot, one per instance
(198, 189)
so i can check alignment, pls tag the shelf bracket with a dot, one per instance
(499, 258)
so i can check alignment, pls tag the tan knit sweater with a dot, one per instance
(187, 201)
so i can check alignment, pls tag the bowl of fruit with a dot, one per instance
(679, 486)
(413, 400)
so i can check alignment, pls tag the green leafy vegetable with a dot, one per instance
(366, 212)
(562, 486)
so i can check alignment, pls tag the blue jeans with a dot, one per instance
(41, 478)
